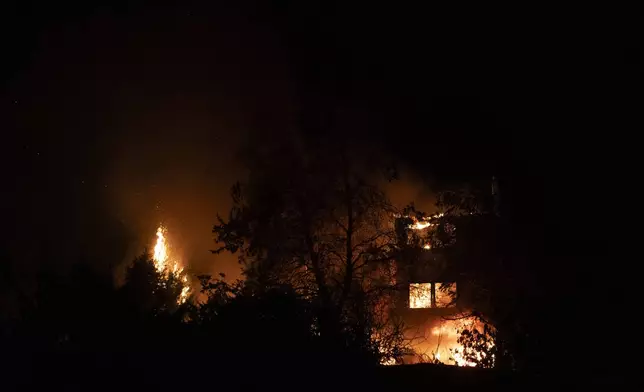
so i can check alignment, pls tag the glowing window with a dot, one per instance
(431, 295)
(444, 294)
(420, 295)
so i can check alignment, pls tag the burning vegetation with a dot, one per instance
(167, 265)
(436, 339)
(330, 234)
(440, 340)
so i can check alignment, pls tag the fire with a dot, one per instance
(425, 223)
(440, 342)
(420, 295)
(166, 266)
(422, 224)
(160, 250)
(437, 340)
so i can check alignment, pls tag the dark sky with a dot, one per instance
(118, 117)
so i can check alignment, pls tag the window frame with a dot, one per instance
(432, 302)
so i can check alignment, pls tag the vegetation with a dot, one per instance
(317, 248)
(325, 231)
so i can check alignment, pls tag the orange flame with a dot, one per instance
(160, 250)
(167, 266)
(425, 223)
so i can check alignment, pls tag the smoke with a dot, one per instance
(125, 122)
(181, 110)
(410, 187)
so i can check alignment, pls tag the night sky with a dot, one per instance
(118, 117)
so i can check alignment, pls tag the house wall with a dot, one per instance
(431, 332)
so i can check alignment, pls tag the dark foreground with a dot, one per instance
(162, 371)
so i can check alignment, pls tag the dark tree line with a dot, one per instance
(317, 240)
(80, 329)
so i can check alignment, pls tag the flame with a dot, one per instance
(167, 266)
(160, 250)
(422, 224)
(440, 342)
(425, 223)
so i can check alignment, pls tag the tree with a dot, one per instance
(150, 291)
(315, 219)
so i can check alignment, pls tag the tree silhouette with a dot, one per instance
(151, 290)
(313, 217)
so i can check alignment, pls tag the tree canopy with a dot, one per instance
(314, 217)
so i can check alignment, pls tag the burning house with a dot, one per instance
(432, 302)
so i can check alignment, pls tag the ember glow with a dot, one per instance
(444, 294)
(420, 295)
(425, 223)
(422, 224)
(166, 265)
(439, 341)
